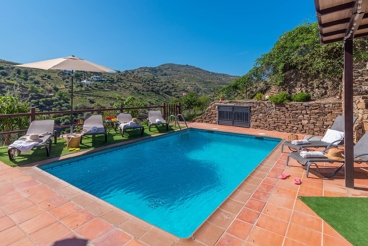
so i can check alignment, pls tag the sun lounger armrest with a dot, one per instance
(360, 155)
(366, 154)
(310, 137)
(332, 145)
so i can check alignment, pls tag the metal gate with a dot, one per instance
(233, 116)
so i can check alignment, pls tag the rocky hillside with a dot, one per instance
(296, 81)
(190, 78)
(298, 63)
(49, 90)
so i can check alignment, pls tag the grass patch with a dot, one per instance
(89, 142)
(346, 215)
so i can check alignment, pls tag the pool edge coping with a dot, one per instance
(34, 166)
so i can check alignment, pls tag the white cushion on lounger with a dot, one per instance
(332, 136)
(23, 145)
(308, 154)
(302, 141)
(130, 124)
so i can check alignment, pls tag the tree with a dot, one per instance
(13, 91)
(24, 75)
(32, 89)
(133, 102)
(203, 102)
(3, 73)
(190, 100)
(77, 76)
(17, 71)
(119, 102)
(11, 105)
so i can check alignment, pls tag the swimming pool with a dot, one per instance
(175, 181)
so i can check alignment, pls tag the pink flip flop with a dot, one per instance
(297, 181)
(284, 176)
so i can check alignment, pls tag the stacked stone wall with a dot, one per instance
(307, 118)
(360, 75)
(312, 118)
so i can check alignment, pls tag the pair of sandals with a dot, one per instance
(297, 181)
(70, 149)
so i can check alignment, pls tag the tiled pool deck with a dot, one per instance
(38, 209)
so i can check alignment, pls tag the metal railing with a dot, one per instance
(166, 109)
(176, 120)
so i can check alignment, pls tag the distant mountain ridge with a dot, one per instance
(170, 70)
(8, 62)
(191, 77)
(153, 85)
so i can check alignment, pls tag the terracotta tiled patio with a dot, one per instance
(39, 209)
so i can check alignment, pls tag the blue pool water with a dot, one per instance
(174, 182)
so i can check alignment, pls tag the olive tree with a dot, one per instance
(11, 105)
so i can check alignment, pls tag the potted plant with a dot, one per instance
(222, 96)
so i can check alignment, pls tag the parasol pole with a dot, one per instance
(71, 104)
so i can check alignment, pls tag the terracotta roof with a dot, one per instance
(339, 20)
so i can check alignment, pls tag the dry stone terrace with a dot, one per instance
(39, 209)
(310, 118)
(307, 118)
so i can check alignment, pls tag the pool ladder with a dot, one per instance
(176, 120)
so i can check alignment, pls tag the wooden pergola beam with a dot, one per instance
(334, 23)
(337, 8)
(328, 34)
(363, 27)
(361, 35)
(332, 41)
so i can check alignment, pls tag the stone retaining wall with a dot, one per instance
(312, 118)
(307, 118)
(360, 111)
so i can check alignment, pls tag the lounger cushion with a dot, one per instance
(332, 136)
(23, 145)
(130, 125)
(93, 130)
(302, 141)
(311, 154)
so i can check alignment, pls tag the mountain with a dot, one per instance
(188, 78)
(49, 90)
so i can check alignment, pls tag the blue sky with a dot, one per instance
(218, 36)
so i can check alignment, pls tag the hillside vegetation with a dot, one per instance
(297, 62)
(49, 90)
(189, 78)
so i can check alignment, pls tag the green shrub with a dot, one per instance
(281, 98)
(91, 100)
(259, 96)
(190, 114)
(301, 97)
(3, 73)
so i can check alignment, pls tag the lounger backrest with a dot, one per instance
(361, 147)
(94, 120)
(124, 117)
(338, 124)
(153, 115)
(41, 126)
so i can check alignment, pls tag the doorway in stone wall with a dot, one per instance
(233, 115)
